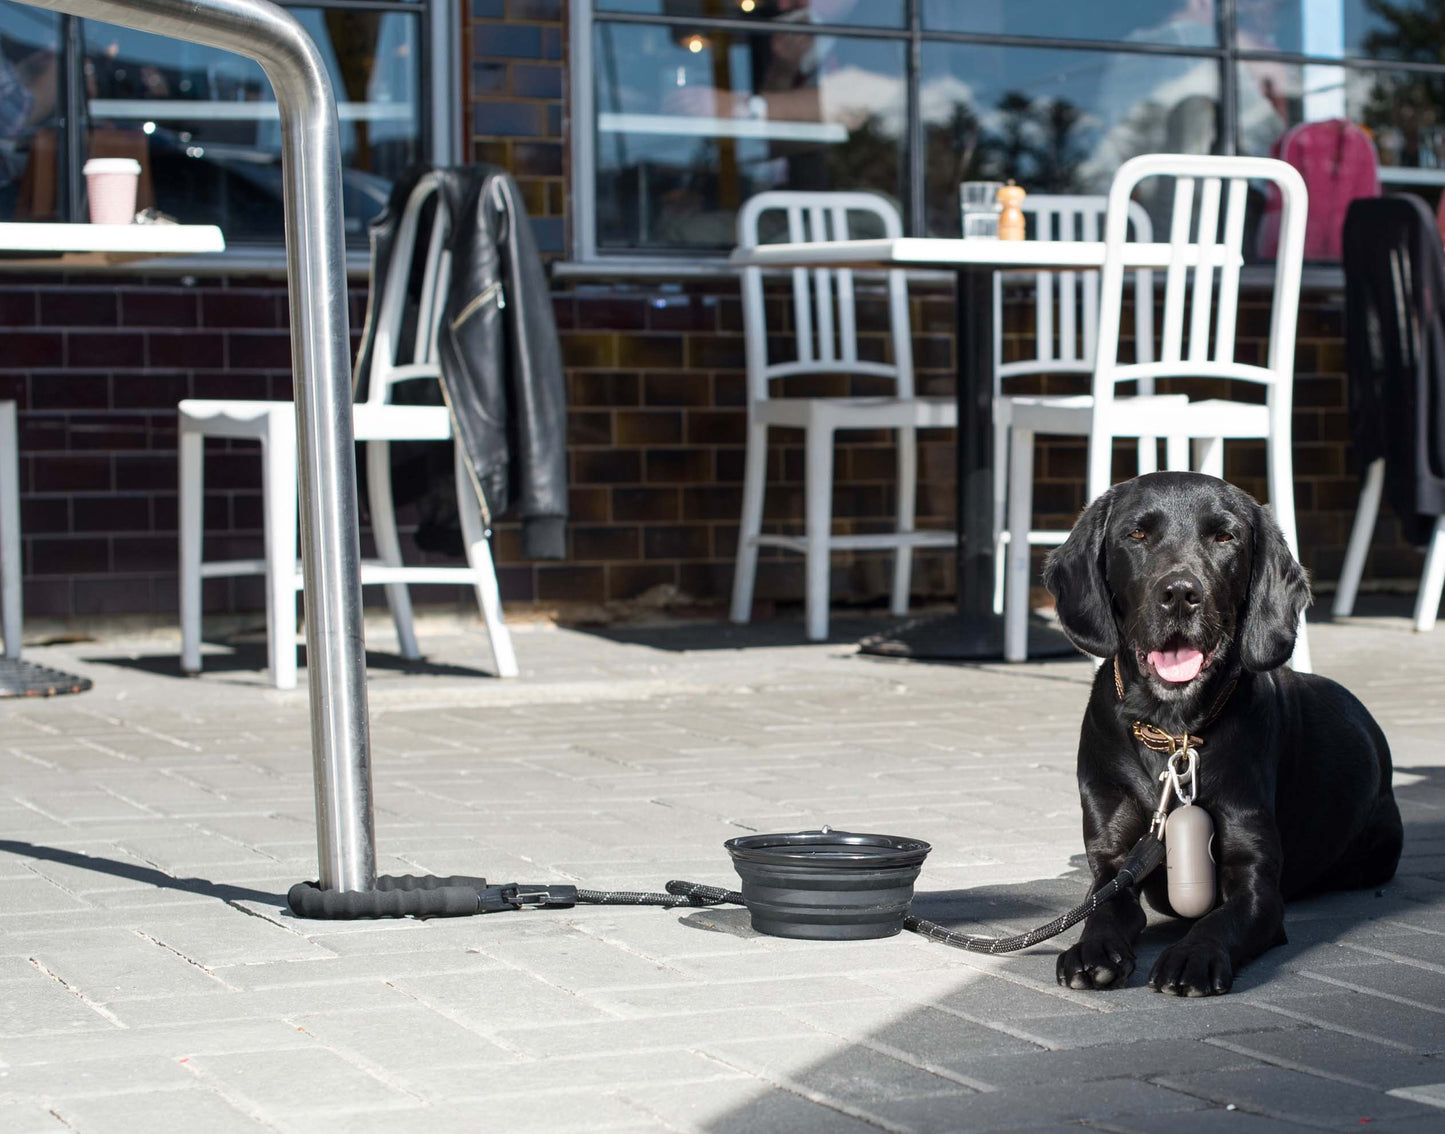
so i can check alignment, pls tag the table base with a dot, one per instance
(962, 637)
(26, 679)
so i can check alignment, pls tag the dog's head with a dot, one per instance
(1180, 572)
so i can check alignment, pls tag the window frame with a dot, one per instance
(1225, 53)
(440, 120)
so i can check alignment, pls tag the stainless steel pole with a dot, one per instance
(321, 354)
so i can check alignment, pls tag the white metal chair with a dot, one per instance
(1062, 217)
(377, 423)
(10, 560)
(1197, 254)
(1432, 578)
(825, 335)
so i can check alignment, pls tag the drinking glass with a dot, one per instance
(978, 202)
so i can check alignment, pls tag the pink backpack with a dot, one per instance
(1338, 162)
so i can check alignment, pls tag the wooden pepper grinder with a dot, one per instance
(1011, 219)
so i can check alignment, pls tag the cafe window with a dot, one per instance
(684, 108)
(203, 123)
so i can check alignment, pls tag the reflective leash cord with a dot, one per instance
(411, 896)
(1147, 854)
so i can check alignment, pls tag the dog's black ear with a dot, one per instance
(1074, 575)
(1278, 591)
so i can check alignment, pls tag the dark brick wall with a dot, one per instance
(655, 380)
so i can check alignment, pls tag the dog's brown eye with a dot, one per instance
(1137, 533)
(1223, 537)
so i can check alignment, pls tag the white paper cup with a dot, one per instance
(110, 185)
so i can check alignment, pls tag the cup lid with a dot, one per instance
(111, 165)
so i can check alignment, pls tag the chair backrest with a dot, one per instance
(1203, 243)
(404, 349)
(825, 325)
(1071, 217)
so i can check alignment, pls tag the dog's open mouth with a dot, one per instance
(1178, 665)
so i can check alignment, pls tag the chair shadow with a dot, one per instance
(133, 872)
(719, 634)
(250, 657)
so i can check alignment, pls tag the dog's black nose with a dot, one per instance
(1180, 593)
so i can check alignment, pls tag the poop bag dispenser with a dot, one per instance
(1189, 860)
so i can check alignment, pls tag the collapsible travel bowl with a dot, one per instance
(827, 885)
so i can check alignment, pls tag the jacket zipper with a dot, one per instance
(487, 294)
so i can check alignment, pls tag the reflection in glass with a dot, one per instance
(1182, 23)
(1404, 112)
(203, 123)
(1055, 121)
(1410, 31)
(854, 13)
(688, 130)
(29, 89)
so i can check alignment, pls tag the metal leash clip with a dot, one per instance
(497, 899)
(1173, 779)
(1191, 772)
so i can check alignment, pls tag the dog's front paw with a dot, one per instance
(1193, 968)
(1096, 962)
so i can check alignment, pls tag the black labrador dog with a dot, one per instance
(1186, 585)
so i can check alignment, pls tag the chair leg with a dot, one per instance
(1432, 581)
(818, 487)
(1281, 501)
(11, 613)
(1000, 505)
(1176, 454)
(1020, 516)
(278, 495)
(1000, 555)
(388, 543)
(192, 506)
(755, 474)
(1148, 455)
(907, 510)
(1361, 533)
(1209, 456)
(479, 557)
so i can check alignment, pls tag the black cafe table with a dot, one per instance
(973, 632)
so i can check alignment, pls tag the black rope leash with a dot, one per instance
(412, 896)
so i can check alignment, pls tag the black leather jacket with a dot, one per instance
(501, 363)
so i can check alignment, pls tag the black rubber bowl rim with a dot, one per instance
(832, 848)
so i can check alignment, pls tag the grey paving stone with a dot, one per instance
(1399, 1025)
(85, 1077)
(1026, 1107)
(25, 1116)
(161, 1112)
(744, 1107)
(496, 998)
(1291, 1095)
(1335, 1055)
(43, 1004)
(927, 1036)
(853, 1076)
(282, 1085)
(1141, 1059)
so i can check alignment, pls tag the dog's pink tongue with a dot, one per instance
(1177, 665)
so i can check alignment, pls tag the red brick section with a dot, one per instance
(655, 378)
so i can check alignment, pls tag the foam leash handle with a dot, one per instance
(402, 895)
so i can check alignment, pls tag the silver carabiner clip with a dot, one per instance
(1190, 772)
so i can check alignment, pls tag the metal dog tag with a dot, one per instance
(1189, 859)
